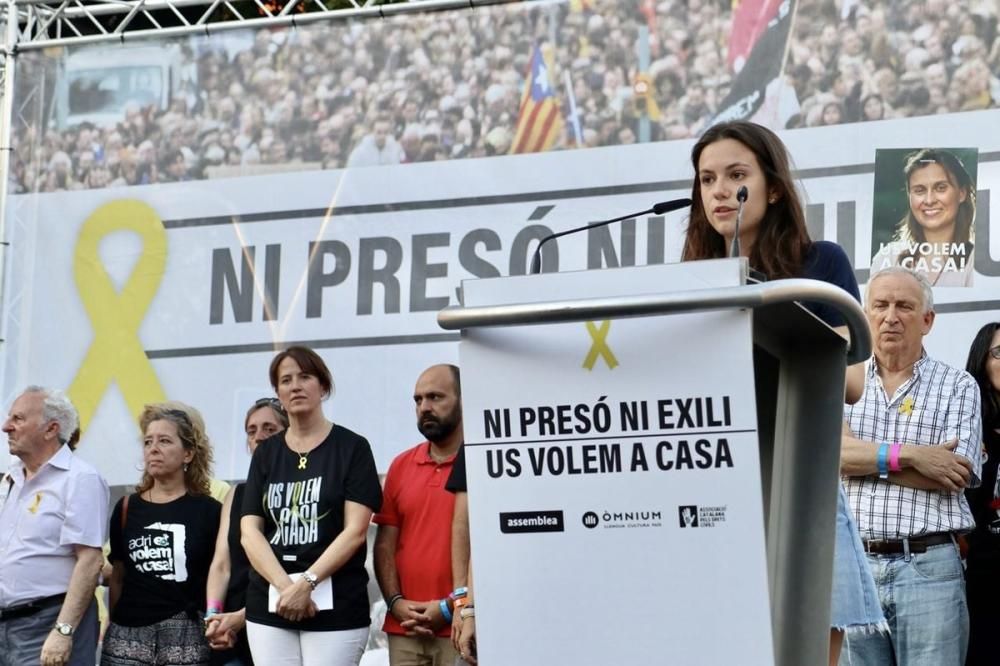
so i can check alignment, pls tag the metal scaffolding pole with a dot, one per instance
(43, 24)
(7, 75)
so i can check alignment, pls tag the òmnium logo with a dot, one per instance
(518, 522)
(692, 515)
(623, 519)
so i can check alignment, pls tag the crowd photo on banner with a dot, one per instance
(449, 86)
(226, 453)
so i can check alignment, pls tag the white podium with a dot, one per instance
(631, 437)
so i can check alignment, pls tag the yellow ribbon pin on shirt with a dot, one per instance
(906, 407)
(115, 316)
(33, 509)
(599, 346)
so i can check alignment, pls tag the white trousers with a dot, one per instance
(289, 647)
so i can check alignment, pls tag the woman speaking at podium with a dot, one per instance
(727, 158)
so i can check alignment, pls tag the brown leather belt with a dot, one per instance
(32, 607)
(918, 544)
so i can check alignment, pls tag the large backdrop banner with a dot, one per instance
(184, 208)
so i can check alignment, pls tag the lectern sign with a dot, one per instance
(614, 481)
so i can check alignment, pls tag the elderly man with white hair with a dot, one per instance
(53, 521)
(910, 449)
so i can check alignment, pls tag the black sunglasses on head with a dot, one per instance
(179, 415)
(273, 403)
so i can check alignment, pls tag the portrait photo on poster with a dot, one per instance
(924, 212)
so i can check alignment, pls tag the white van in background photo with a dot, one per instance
(98, 84)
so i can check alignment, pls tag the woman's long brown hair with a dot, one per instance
(782, 241)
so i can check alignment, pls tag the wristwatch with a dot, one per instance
(310, 578)
(64, 628)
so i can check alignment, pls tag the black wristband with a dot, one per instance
(393, 599)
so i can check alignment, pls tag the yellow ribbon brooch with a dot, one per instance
(906, 407)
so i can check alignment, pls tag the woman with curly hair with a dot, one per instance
(162, 542)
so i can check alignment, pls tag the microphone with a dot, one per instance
(741, 197)
(656, 209)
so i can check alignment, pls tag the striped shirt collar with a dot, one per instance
(903, 388)
(917, 366)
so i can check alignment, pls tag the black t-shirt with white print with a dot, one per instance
(303, 512)
(166, 551)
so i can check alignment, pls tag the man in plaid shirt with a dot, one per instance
(910, 448)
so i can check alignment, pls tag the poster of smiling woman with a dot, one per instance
(924, 213)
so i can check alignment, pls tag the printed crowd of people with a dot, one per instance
(449, 85)
(276, 574)
(865, 61)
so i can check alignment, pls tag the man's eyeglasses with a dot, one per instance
(273, 403)
(995, 352)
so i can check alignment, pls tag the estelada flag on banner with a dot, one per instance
(750, 19)
(539, 121)
(762, 68)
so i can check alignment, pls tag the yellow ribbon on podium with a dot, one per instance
(599, 348)
(116, 353)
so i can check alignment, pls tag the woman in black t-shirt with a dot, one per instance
(309, 498)
(225, 614)
(162, 540)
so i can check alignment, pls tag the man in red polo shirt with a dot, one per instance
(413, 545)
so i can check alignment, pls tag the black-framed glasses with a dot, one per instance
(273, 403)
(995, 352)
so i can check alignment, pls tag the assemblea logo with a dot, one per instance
(531, 521)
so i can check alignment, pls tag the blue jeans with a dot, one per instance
(923, 597)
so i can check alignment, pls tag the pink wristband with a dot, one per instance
(214, 604)
(894, 458)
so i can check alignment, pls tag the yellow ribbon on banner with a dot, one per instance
(115, 316)
(599, 348)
